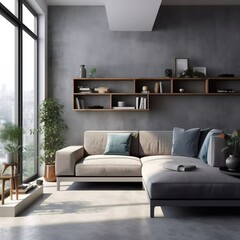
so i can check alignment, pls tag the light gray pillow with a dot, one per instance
(185, 142)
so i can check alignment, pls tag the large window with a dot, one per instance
(18, 77)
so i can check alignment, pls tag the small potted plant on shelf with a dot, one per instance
(92, 72)
(11, 137)
(53, 129)
(233, 147)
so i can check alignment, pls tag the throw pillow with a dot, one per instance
(204, 149)
(185, 142)
(118, 144)
(203, 133)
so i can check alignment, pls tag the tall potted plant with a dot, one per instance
(53, 129)
(11, 136)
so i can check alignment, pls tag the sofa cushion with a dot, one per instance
(109, 166)
(155, 143)
(205, 182)
(118, 144)
(204, 149)
(95, 141)
(185, 142)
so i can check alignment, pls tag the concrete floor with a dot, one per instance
(115, 211)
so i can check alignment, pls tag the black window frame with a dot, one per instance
(18, 22)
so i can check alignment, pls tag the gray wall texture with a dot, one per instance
(206, 35)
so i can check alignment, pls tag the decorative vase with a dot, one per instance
(233, 163)
(49, 174)
(156, 88)
(82, 71)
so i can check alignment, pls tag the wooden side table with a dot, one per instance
(12, 177)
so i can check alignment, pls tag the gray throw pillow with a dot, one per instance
(118, 144)
(185, 142)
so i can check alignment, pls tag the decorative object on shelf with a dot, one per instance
(181, 65)
(199, 71)
(168, 73)
(181, 90)
(82, 71)
(101, 90)
(233, 147)
(53, 128)
(226, 75)
(189, 73)
(92, 72)
(156, 87)
(145, 89)
(11, 136)
(121, 104)
(95, 107)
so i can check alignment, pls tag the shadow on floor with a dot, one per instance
(101, 186)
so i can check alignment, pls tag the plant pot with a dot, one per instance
(49, 174)
(11, 157)
(233, 163)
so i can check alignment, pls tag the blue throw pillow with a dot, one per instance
(185, 142)
(118, 144)
(204, 149)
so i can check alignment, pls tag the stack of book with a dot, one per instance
(84, 89)
(141, 103)
(79, 103)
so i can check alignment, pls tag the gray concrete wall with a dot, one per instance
(208, 36)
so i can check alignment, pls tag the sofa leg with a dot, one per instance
(152, 207)
(58, 184)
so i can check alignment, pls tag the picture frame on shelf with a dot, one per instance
(201, 70)
(181, 65)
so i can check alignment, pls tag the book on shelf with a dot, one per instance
(123, 108)
(141, 103)
(160, 87)
(226, 91)
(80, 103)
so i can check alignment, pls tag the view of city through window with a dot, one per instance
(10, 91)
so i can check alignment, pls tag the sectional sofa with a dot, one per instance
(149, 151)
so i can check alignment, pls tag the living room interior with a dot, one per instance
(128, 45)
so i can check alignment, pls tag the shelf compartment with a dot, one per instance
(228, 85)
(130, 101)
(114, 85)
(190, 86)
(150, 83)
(88, 100)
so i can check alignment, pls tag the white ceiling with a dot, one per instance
(164, 2)
(135, 15)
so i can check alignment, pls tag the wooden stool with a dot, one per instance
(13, 178)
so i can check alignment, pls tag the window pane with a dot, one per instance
(29, 19)
(29, 79)
(11, 5)
(8, 73)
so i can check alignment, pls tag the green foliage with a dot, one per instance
(233, 142)
(11, 136)
(191, 74)
(53, 128)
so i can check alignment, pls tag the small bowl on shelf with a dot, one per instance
(181, 90)
(102, 90)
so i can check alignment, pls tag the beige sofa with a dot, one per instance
(206, 186)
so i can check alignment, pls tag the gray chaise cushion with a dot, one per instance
(205, 182)
(109, 166)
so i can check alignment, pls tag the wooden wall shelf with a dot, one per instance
(130, 89)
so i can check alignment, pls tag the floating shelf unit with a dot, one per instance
(129, 89)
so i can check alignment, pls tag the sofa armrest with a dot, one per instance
(66, 160)
(216, 157)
